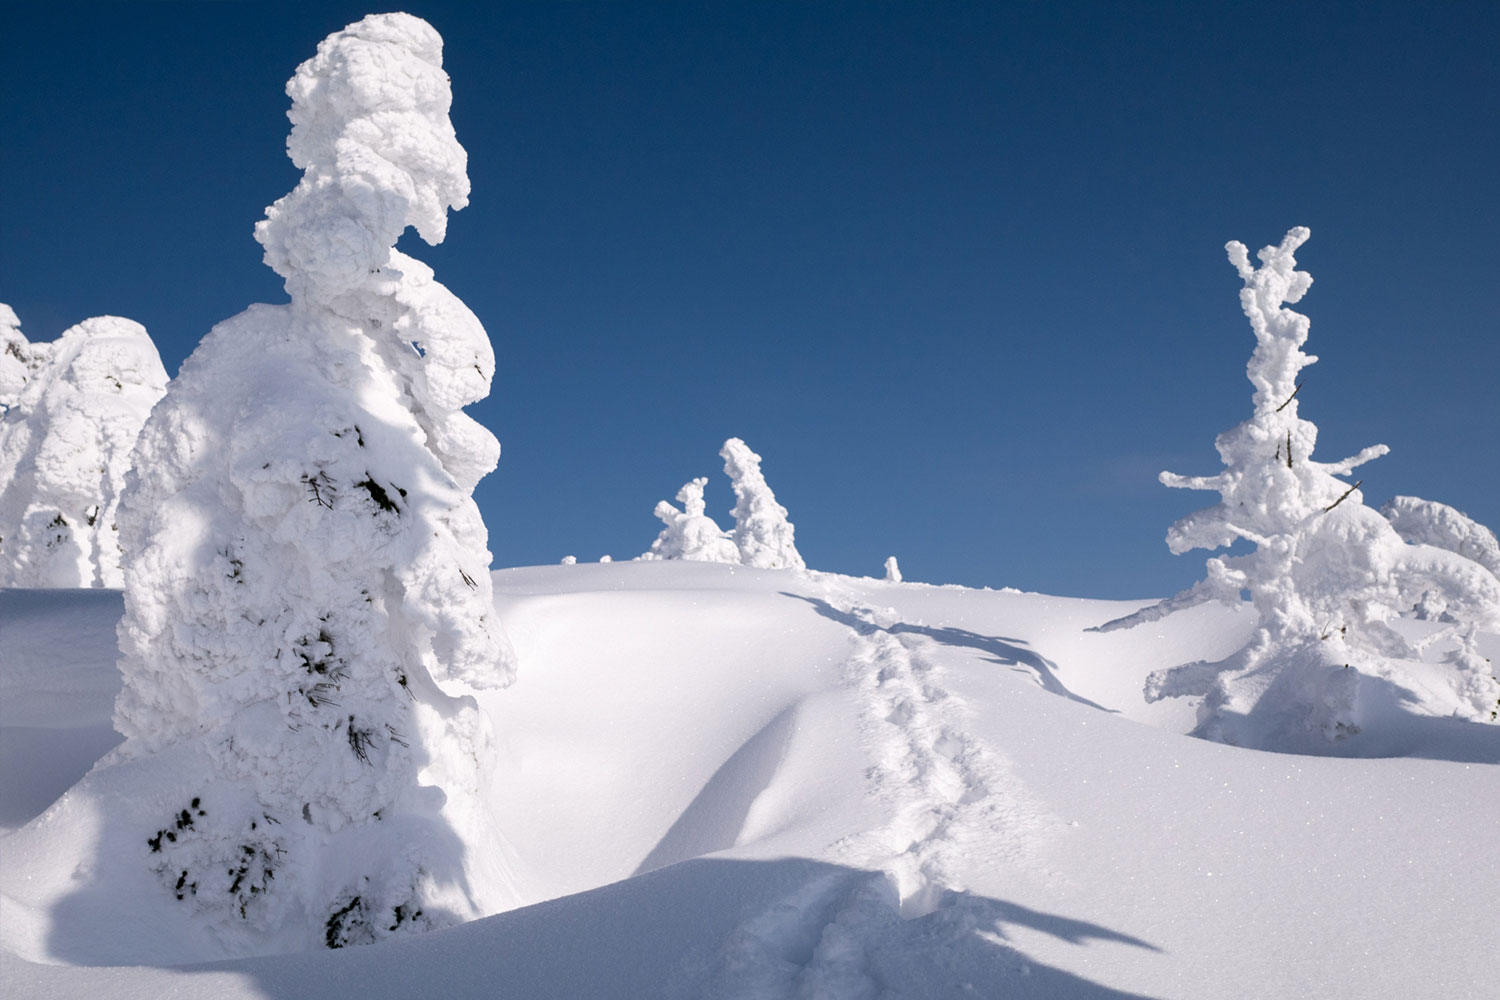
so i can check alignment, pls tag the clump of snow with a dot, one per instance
(690, 533)
(1427, 522)
(307, 594)
(762, 532)
(70, 411)
(1327, 573)
(892, 570)
(570, 560)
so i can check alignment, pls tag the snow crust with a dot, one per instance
(1327, 574)
(307, 597)
(70, 411)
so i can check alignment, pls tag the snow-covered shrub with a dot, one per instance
(307, 589)
(1326, 572)
(70, 411)
(761, 531)
(1427, 522)
(690, 533)
(892, 569)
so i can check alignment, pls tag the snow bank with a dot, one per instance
(71, 413)
(307, 596)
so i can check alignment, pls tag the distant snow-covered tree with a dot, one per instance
(1326, 572)
(70, 411)
(690, 533)
(307, 591)
(762, 532)
(892, 570)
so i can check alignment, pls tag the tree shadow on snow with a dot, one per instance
(707, 929)
(1002, 650)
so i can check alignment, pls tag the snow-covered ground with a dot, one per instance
(716, 781)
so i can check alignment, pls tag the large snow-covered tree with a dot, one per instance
(1326, 573)
(766, 539)
(307, 586)
(70, 411)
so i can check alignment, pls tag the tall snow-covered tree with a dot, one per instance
(762, 532)
(70, 411)
(307, 590)
(690, 533)
(1326, 572)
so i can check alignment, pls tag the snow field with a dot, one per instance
(723, 782)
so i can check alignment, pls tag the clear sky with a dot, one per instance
(955, 270)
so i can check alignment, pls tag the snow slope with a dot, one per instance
(726, 782)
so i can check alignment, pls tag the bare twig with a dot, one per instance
(1290, 398)
(1344, 497)
(1288, 449)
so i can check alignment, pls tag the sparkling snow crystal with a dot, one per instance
(1326, 573)
(307, 581)
(71, 412)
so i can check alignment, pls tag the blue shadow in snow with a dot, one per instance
(1004, 651)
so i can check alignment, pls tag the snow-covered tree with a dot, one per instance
(307, 588)
(70, 411)
(892, 570)
(1326, 572)
(690, 533)
(761, 531)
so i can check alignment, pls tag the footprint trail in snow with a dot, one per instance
(953, 805)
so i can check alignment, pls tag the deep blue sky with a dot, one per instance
(955, 270)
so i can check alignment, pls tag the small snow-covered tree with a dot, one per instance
(308, 600)
(762, 532)
(690, 533)
(70, 411)
(1326, 572)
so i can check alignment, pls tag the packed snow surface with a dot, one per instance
(716, 781)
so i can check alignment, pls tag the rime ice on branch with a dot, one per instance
(71, 412)
(761, 529)
(1326, 572)
(307, 581)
